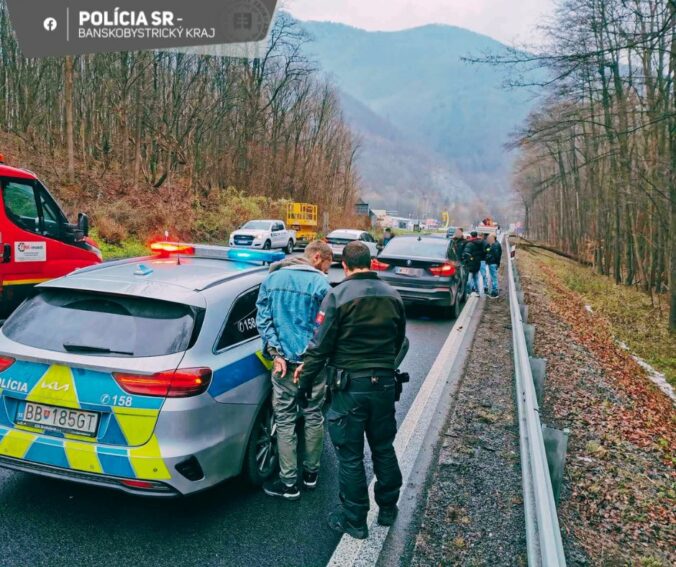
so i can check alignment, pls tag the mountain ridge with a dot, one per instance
(449, 120)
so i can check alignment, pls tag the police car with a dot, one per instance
(144, 375)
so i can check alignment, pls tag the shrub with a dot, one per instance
(110, 231)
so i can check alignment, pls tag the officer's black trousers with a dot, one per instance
(368, 408)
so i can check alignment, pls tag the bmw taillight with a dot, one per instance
(445, 270)
(181, 383)
(378, 266)
(6, 362)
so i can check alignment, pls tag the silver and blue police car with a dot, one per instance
(144, 375)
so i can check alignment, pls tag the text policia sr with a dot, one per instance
(126, 24)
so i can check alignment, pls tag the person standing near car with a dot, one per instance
(362, 329)
(459, 242)
(484, 266)
(473, 252)
(493, 257)
(389, 235)
(288, 304)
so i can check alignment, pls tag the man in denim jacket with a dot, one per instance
(288, 305)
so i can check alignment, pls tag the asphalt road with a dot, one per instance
(50, 522)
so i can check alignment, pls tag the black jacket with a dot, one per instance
(473, 254)
(494, 253)
(459, 244)
(362, 326)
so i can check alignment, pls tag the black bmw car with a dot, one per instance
(424, 270)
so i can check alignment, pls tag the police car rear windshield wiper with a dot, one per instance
(70, 347)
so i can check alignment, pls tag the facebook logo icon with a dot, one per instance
(50, 24)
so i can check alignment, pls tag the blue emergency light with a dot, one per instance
(266, 256)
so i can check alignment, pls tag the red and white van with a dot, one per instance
(37, 243)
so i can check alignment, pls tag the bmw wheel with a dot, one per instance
(261, 453)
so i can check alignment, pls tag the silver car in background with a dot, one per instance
(144, 375)
(338, 239)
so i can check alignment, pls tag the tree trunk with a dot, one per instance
(68, 94)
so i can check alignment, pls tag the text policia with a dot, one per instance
(126, 24)
(124, 18)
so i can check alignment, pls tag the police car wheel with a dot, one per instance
(289, 247)
(261, 455)
(267, 245)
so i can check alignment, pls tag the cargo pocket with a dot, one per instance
(337, 425)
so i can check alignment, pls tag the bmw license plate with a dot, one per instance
(409, 271)
(59, 419)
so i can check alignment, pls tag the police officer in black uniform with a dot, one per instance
(362, 329)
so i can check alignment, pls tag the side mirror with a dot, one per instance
(6, 253)
(83, 224)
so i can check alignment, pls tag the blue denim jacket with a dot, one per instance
(288, 304)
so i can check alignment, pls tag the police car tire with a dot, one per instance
(267, 245)
(289, 247)
(252, 472)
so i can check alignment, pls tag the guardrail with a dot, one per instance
(543, 535)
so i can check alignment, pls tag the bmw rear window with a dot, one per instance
(414, 248)
(103, 325)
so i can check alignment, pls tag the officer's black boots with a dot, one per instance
(338, 522)
(387, 515)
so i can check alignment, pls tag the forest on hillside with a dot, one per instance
(167, 140)
(597, 173)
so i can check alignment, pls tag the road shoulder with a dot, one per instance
(473, 513)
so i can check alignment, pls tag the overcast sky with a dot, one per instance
(508, 21)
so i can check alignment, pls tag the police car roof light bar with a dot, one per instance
(213, 252)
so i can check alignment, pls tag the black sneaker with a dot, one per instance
(386, 516)
(310, 479)
(278, 488)
(338, 523)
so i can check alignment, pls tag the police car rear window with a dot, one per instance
(101, 325)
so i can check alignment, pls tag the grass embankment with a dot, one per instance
(127, 248)
(633, 317)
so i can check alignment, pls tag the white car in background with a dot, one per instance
(264, 235)
(338, 239)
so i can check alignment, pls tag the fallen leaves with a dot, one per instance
(618, 501)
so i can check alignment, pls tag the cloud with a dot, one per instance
(509, 21)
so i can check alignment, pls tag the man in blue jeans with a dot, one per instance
(493, 257)
(288, 305)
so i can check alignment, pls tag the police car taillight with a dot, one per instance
(6, 362)
(181, 383)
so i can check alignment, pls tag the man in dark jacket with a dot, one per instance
(473, 254)
(459, 242)
(493, 257)
(362, 329)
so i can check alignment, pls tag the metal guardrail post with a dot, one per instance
(543, 535)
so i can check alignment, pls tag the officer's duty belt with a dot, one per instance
(366, 375)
